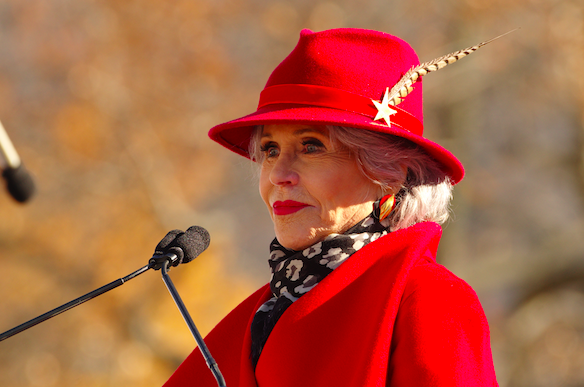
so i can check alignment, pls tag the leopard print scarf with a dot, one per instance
(294, 273)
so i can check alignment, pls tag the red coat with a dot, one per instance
(388, 316)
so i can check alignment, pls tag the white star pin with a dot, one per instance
(383, 109)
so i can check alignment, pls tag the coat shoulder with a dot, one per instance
(431, 280)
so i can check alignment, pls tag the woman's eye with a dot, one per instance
(311, 147)
(272, 152)
(269, 150)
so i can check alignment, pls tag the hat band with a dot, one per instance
(335, 99)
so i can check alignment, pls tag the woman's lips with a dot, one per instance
(287, 207)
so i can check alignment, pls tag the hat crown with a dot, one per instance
(362, 62)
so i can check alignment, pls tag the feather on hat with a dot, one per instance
(336, 77)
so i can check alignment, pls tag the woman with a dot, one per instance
(356, 193)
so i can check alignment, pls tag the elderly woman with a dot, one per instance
(356, 194)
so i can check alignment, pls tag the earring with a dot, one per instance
(386, 205)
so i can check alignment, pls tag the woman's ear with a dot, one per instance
(400, 180)
(404, 175)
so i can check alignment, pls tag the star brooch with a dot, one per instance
(383, 109)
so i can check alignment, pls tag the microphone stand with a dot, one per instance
(187, 317)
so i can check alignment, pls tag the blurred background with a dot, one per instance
(109, 102)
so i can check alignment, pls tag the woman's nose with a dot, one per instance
(283, 171)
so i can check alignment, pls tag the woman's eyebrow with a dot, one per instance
(309, 130)
(299, 132)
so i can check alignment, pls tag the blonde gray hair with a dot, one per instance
(423, 194)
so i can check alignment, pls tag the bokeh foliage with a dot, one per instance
(109, 102)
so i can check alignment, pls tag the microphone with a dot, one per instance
(180, 247)
(176, 244)
(19, 183)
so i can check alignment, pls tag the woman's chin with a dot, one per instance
(296, 246)
(294, 242)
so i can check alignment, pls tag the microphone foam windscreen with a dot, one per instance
(193, 242)
(19, 183)
(168, 245)
(165, 243)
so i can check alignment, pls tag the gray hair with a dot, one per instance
(423, 194)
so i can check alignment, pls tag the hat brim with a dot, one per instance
(235, 135)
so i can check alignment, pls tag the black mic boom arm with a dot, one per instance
(72, 304)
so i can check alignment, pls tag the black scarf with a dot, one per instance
(294, 273)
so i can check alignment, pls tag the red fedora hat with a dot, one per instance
(339, 77)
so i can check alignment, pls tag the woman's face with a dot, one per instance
(312, 188)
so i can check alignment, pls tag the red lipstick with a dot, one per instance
(287, 207)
